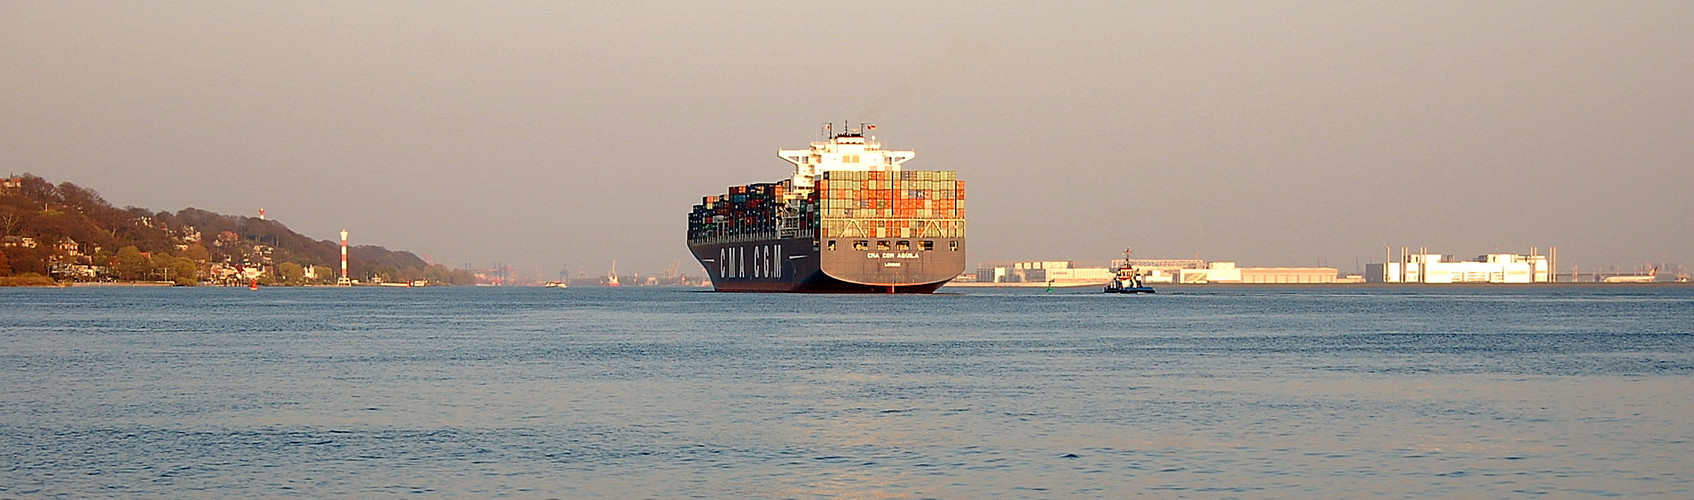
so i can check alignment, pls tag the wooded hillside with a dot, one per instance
(69, 232)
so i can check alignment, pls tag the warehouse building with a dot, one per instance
(1227, 272)
(1437, 268)
(1169, 271)
(1054, 272)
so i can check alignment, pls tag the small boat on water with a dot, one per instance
(564, 279)
(1128, 279)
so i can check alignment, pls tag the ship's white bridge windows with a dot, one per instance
(926, 245)
(882, 245)
(903, 245)
(861, 244)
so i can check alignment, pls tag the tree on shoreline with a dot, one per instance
(130, 264)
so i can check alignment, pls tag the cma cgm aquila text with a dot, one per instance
(849, 220)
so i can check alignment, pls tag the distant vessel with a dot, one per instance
(848, 220)
(1127, 279)
(564, 279)
(612, 275)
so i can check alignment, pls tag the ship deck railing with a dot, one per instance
(753, 237)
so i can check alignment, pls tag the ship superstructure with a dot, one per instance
(850, 219)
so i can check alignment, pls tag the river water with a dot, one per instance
(1290, 392)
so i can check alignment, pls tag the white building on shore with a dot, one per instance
(1437, 268)
(1053, 272)
(1168, 271)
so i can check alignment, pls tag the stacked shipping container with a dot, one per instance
(761, 210)
(891, 204)
(844, 204)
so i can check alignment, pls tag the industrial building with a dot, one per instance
(1227, 272)
(1172, 271)
(1167, 270)
(1290, 275)
(1424, 267)
(1047, 272)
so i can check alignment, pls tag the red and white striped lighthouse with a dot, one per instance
(343, 279)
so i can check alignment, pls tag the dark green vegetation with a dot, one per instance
(66, 232)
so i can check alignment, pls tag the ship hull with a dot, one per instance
(806, 265)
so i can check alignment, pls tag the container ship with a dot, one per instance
(850, 220)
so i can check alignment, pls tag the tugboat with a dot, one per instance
(1128, 280)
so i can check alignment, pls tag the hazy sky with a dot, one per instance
(553, 133)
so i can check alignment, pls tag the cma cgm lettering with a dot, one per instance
(849, 220)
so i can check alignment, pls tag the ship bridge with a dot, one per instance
(850, 150)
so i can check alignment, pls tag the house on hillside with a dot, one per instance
(69, 247)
